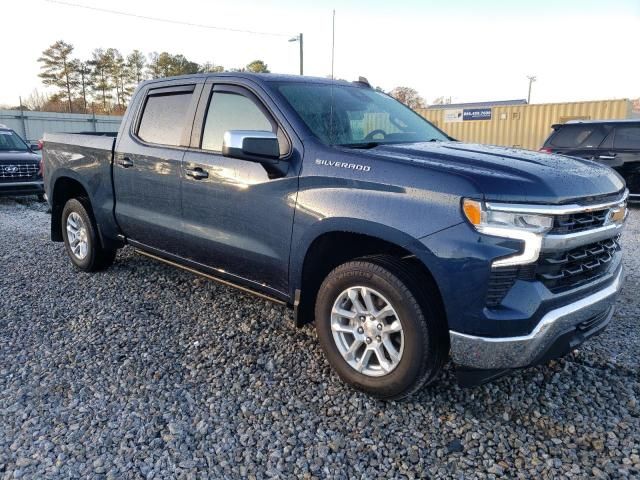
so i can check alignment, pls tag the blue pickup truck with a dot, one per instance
(403, 246)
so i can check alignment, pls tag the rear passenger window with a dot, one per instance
(231, 111)
(582, 136)
(627, 137)
(164, 118)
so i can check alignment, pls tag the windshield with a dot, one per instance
(10, 142)
(356, 117)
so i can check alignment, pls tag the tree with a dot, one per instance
(84, 73)
(58, 70)
(441, 101)
(136, 64)
(100, 76)
(36, 101)
(118, 74)
(257, 66)
(408, 96)
(168, 65)
(210, 67)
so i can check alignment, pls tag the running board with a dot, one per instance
(210, 277)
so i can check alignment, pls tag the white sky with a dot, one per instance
(469, 50)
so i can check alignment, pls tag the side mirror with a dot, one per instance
(253, 145)
(35, 146)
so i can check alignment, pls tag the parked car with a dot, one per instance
(335, 199)
(615, 143)
(20, 166)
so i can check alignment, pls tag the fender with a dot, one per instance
(101, 202)
(301, 246)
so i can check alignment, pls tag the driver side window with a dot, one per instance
(231, 111)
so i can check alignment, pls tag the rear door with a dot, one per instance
(147, 167)
(237, 215)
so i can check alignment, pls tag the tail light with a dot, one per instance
(546, 150)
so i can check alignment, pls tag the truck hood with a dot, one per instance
(10, 157)
(511, 174)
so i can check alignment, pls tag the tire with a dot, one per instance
(422, 345)
(92, 257)
(41, 198)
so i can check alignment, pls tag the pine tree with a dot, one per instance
(100, 75)
(136, 63)
(59, 70)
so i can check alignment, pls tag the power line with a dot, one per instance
(164, 20)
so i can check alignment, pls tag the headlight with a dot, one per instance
(519, 226)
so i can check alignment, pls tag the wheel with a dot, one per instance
(381, 331)
(81, 238)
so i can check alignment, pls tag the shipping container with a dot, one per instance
(522, 126)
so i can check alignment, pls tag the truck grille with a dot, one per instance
(577, 222)
(16, 171)
(558, 271)
(565, 270)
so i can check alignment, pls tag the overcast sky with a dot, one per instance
(468, 50)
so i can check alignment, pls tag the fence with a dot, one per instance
(32, 125)
(524, 126)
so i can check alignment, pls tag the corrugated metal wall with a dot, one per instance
(32, 125)
(526, 126)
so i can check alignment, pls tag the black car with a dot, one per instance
(615, 143)
(20, 166)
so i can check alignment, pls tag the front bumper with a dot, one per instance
(499, 353)
(21, 188)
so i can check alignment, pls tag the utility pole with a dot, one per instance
(298, 38)
(532, 78)
(24, 123)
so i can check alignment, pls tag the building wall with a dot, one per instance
(32, 125)
(524, 126)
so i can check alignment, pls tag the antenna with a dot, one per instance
(333, 40)
(333, 43)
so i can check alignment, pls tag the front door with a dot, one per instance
(237, 216)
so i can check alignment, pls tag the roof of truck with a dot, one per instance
(263, 77)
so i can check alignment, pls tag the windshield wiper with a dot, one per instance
(365, 145)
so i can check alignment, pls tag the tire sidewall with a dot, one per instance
(76, 206)
(416, 344)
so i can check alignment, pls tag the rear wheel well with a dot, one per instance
(335, 248)
(64, 189)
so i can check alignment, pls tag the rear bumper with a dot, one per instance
(21, 188)
(571, 323)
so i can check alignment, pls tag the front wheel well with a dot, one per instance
(64, 189)
(335, 248)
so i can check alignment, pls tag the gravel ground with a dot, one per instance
(144, 371)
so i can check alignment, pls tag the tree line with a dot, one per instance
(104, 82)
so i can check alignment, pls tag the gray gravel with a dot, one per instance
(144, 371)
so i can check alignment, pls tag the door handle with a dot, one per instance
(196, 173)
(125, 162)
